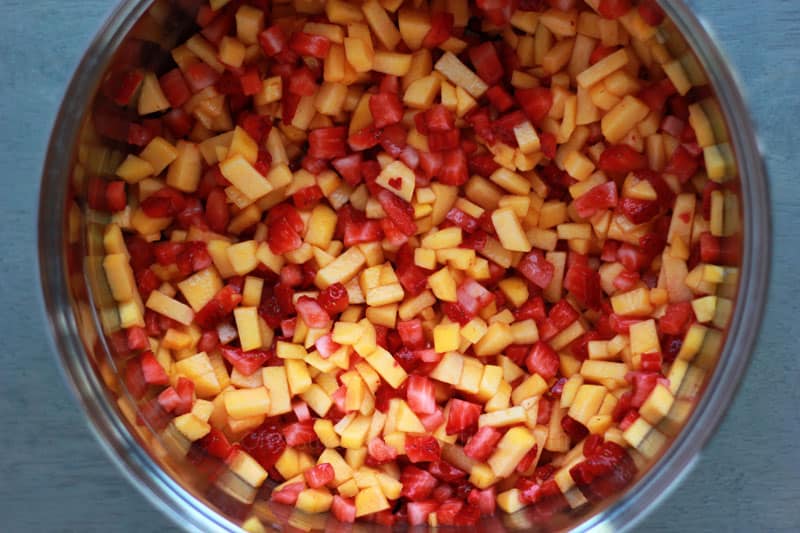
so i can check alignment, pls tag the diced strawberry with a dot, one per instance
(499, 98)
(434, 420)
(169, 399)
(596, 199)
(651, 362)
(216, 444)
(484, 500)
(392, 233)
(533, 308)
(643, 384)
(312, 313)
(656, 95)
(272, 40)
(574, 429)
(343, 509)
(250, 82)
(399, 212)
(472, 296)
(327, 143)
(536, 268)
(453, 512)
(245, 362)
(307, 197)
(621, 159)
(357, 232)
(178, 121)
(482, 444)
(411, 333)
(638, 211)
(682, 164)
(393, 139)
(152, 371)
(463, 415)
(319, 475)
(137, 337)
(307, 44)
(613, 9)
(651, 12)
(584, 283)
(386, 109)
(418, 512)
(454, 167)
(349, 167)
(175, 88)
(299, 433)
(222, 305)
(364, 139)
(438, 118)
(677, 318)
(543, 360)
(199, 76)
(536, 102)
(417, 484)
(486, 62)
(420, 394)
(288, 494)
(422, 448)
(441, 29)
(380, 452)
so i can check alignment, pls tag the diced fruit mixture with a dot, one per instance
(418, 261)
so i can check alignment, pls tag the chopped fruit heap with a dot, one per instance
(417, 262)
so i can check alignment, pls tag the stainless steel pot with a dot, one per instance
(156, 464)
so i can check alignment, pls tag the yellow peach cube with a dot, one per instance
(385, 365)
(446, 337)
(248, 328)
(510, 450)
(247, 469)
(370, 500)
(496, 339)
(244, 403)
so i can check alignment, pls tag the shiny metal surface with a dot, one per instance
(73, 298)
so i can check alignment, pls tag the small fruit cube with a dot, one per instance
(512, 447)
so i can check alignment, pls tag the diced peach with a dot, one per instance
(510, 450)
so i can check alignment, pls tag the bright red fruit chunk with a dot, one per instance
(536, 102)
(486, 62)
(380, 452)
(265, 444)
(481, 445)
(417, 484)
(441, 29)
(288, 493)
(543, 360)
(312, 313)
(245, 362)
(421, 395)
(422, 448)
(613, 9)
(584, 283)
(328, 143)
(621, 159)
(307, 44)
(536, 268)
(677, 318)
(344, 509)
(319, 475)
(399, 212)
(463, 415)
(386, 109)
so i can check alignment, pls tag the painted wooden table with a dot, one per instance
(53, 476)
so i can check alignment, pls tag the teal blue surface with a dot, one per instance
(53, 476)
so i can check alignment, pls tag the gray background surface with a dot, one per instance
(53, 476)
